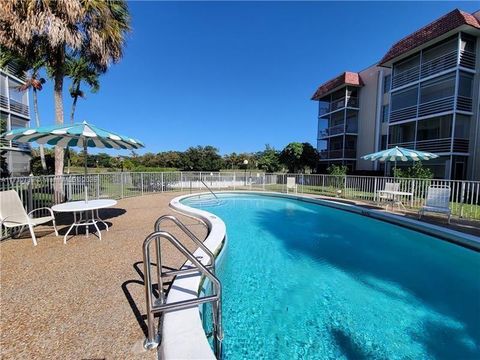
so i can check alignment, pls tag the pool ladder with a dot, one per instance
(159, 305)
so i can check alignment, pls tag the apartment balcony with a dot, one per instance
(338, 154)
(350, 102)
(352, 129)
(436, 145)
(433, 107)
(438, 65)
(14, 106)
(12, 70)
(14, 145)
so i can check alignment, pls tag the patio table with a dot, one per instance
(395, 199)
(84, 207)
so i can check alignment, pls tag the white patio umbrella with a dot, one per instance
(80, 134)
(399, 154)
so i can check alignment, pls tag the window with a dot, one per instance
(337, 118)
(439, 50)
(383, 145)
(17, 122)
(435, 128)
(385, 113)
(387, 81)
(436, 89)
(15, 95)
(465, 85)
(405, 98)
(352, 121)
(406, 65)
(462, 127)
(402, 133)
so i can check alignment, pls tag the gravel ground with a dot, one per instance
(83, 300)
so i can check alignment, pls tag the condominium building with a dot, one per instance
(423, 94)
(14, 113)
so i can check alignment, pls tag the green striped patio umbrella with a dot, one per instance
(81, 134)
(399, 154)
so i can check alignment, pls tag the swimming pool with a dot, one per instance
(301, 280)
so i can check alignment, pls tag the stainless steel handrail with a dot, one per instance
(160, 306)
(203, 182)
(191, 235)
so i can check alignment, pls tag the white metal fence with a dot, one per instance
(39, 191)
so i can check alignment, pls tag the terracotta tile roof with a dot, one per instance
(346, 78)
(446, 23)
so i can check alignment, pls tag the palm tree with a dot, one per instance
(95, 29)
(30, 66)
(80, 70)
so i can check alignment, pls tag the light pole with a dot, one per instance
(245, 162)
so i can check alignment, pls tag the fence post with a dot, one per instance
(30, 193)
(121, 185)
(375, 190)
(303, 182)
(141, 179)
(98, 186)
(234, 179)
(462, 199)
(162, 182)
(181, 181)
(413, 193)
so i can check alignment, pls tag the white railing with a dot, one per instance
(38, 191)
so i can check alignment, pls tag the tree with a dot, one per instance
(31, 66)
(417, 171)
(80, 70)
(291, 156)
(202, 159)
(268, 160)
(94, 29)
(310, 157)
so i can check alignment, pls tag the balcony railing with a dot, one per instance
(432, 107)
(442, 63)
(436, 145)
(14, 145)
(464, 103)
(12, 70)
(18, 107)
(15, 106)
(338, 154)
(338, 130)
(351, 102)
(3, 102)
(403, 114)
(436, 106)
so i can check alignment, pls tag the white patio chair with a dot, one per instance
(438, 201)
(386, 197)
(291, 184)
(13, 214)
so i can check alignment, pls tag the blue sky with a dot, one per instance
(238, 75)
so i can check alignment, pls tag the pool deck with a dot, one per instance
(86, 299)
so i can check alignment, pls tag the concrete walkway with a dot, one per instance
(83, 300)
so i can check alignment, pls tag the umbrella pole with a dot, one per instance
(395, 171)
(85, 163)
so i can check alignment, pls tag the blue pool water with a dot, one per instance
(304, 281)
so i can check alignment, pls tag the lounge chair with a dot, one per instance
(385, 196)
(291, 184)
(438, 201)
(13, 214)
